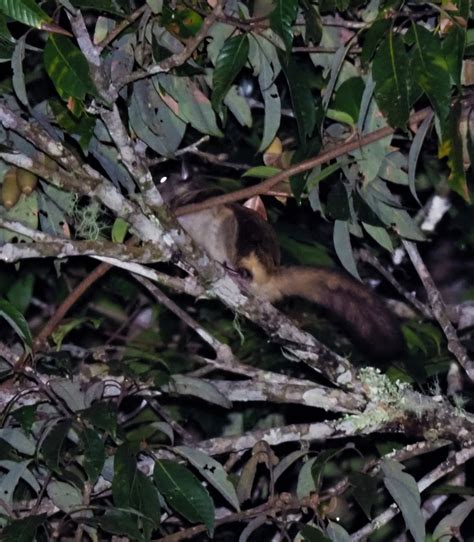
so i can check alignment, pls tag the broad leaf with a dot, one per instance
(430, 70)
(402, 487)
(212, 471)
(281, 21)
(184, 493)
(53, 443)
(94, 454)
(67, 68)
(343, 248)
(17, 321)
(230, 61)
(304, 104)
(23, 530)
(390, 73)
(26, 11)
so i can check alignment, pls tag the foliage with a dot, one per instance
(353, 118)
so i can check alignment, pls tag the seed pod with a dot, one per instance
(27, 181)
(10, 189)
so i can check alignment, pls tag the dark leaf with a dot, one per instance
(184, 493)
(94, 454)
(430, 70)
(26, 11)
(304, 105)
(451, 148)
(364, 490)
(53, 443)
(373, 37)
(17, 321)
(67, 68)
(281, 21)
(22, 530)
(230, 61)
(390, 73)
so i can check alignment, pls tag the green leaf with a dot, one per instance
(414, 153)
(65, 496)
(120, 523)
(18, 79)
(348, 97)
(61, 331)
(281, 21)
(264, 59)
(53, 443)
(67, 68)
(80, 124)
(261, 172)
(17, 439)
(337, 205)
(430, 70)
(337, 533)
(343, 248)
(451, 147)
(94, 454)
(144, 497)
(390, 73)
(212, 471)
(452, 522)
(305, 484)
(402, 487)
(119, 230)
(318, 466)
(20, 292)
(184, 493)
(17, 321)
(23, 530)
(25, 11)
(454, 45)
(314, 25)
(103, 416)
(364, 491)
(380, 235)
(25, 416)
(188, 102)
(304, 104)
(313, 534)
(230, 61)
(197, 387)
(10, 480)
(372, 37)
(125, 472)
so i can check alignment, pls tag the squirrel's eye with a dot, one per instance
(245, 273)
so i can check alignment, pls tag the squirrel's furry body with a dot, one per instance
(241, 240)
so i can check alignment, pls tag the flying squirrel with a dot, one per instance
(244, 243)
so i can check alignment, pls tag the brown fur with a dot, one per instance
(240, 239)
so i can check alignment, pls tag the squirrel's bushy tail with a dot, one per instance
(360, 310)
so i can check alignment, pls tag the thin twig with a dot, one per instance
(301, 167)
(178, 58)
(369, 258)
(222, 350)
(439, 309)
(122, 26)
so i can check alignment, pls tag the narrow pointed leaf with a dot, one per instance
(281, 21)
(184, 493)
(67, 68)
(390, 72)
(230, 61)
